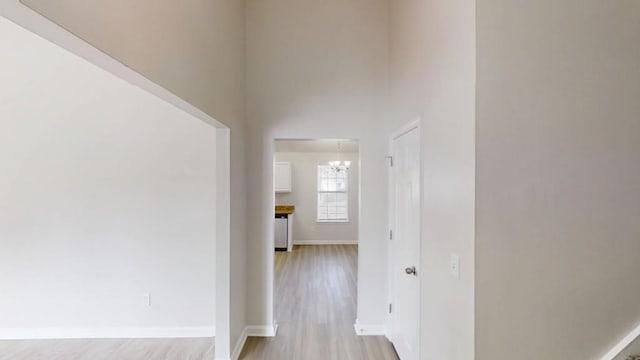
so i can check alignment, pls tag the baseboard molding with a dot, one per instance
(369, 330)
(235, 354)
(106, 333)
(622, 345)
(325, 242)
(262, 331)
(252, 331)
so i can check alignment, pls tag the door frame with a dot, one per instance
(271, 235)
(414, 124)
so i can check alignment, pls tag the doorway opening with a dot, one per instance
(316, 232)
(313, 302)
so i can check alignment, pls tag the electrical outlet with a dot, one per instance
(146, 299)
(454, 266)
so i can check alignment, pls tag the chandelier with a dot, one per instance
(338, 165)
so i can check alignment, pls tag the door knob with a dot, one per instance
(411, 271)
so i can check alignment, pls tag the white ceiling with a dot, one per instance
(322, 145)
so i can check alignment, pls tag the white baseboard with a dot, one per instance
(325, 242)
(262, 331)
(369, 330)
(623, 344)
(106, 333)
(235, 354)
(252, 331)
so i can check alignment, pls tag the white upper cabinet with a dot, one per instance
(282, 176)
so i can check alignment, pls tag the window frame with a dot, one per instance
(319, 192)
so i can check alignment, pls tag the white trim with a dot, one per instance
(318, 192)
(262, 330)
(223, 306)
(107, 333)
(237, 350)
(623, 344)
(413, 124)
(253, 331)
(369, 330)
(41, 26)
(325, 242)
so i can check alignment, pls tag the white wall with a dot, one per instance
(433, 77)
(558, 177)
(304, 173)
(107, 193)
(195, 49)
(317, 69)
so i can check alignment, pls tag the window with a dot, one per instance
(333, 196)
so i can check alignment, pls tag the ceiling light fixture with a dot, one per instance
(338, 165)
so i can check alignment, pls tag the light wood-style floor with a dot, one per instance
(316, 308)
(108, 349)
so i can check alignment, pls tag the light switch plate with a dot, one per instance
(454, 266)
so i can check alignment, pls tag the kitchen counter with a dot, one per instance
(285, 209)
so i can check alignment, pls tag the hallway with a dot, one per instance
(316, 308)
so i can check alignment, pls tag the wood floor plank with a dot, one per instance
(315, 289)
(108, 349)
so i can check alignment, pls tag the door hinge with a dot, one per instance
(390, 308)
(390, 234)
(390, 160)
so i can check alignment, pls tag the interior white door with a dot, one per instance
(405, 217)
